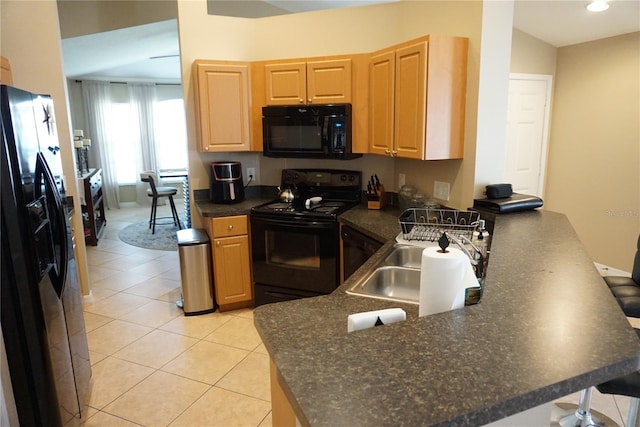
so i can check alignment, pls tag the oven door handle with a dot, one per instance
(295, 223)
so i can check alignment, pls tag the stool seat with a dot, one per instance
(163, 191)
(615, 281)
(629, 385)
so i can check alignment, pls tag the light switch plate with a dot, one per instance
(441, 190)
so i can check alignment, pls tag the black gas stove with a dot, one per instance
(295, 246)
(318, 194)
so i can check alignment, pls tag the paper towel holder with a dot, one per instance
(443, 242)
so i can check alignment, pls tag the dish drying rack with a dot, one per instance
(428, 224)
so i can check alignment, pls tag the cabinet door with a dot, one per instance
(286, 84)
(410, 101)
(381, 102)
(223, 103)
(231, 270)
(329, 82)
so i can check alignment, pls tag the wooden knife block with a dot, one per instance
(382, 198)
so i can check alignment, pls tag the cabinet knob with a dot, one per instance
(394, 152)
(301, 101)
(230, 227)
(387, 151)
(217, 242)
(309, 100)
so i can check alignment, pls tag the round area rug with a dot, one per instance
(139, 234)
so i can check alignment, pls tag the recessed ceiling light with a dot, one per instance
(598, 6)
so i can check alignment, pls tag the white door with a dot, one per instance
(527, 132)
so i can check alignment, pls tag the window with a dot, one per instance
(170, 137)
(171, 134)
(124, 143)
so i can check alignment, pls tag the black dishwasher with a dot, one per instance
(356, 249)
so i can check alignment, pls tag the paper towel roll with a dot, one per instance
(444, 277)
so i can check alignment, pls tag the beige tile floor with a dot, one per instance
(152, 366)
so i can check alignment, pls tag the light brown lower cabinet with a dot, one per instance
(282, 414)
(231, 262)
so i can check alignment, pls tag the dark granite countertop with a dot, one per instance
(254, 196)
(546, 326)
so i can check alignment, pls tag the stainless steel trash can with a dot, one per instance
(194, 249)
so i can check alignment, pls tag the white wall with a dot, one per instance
(497, 23)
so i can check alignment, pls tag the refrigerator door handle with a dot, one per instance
(58, 221)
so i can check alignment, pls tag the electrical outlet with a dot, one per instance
(251, 174)
(441, 190)
(401, 179)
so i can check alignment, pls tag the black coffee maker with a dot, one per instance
(225, 183)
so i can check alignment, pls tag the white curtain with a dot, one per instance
(97, 111)
(142, 97)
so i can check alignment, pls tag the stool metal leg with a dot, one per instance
(567, 415)
(633, 420)
(174, 212)
(151, 214)
(154, 212)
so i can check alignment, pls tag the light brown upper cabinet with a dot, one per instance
(313, 82)
(6, 78)
(417, 94)
(223, 105)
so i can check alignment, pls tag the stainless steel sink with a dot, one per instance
(405, 256)
(390, 283)
(397, 278)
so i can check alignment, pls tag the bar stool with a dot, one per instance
(567, 415)
(627, 289)
(155, 193)
(629, 385)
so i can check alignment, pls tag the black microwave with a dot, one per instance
(319, 131)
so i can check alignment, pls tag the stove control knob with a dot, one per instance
(343, 177)
(352, 178)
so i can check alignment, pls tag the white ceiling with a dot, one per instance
(567, 22)
(143, 53)
(126, 54)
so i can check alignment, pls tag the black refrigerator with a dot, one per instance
(41, 305)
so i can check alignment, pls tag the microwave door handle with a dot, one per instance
(58, 222)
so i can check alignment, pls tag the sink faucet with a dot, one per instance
(476, 258)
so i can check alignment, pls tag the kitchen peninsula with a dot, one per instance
(546, 326)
